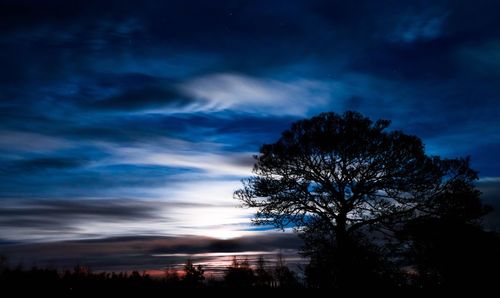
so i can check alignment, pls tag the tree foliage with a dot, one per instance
(344, 172)
(193, 275)
(334, 178)
(239, 274)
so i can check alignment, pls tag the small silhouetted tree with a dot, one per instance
(172, 277)
(339, 175)
(239, 274)
(193, 275)
(283, 276)
(263, 278)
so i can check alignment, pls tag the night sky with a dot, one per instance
(125, 126)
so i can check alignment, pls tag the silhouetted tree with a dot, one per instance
(448, 245)
(283, 276)
(338, 175)
(193, 275)
(368, 263)
(263, 278)
(172, 277)
(239, 274)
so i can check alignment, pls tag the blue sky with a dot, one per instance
(140, 118)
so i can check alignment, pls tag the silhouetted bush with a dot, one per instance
(283, 277)
(239, 274)
(193, 275)
(263, 279)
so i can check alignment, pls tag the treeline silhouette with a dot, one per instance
(81, 280)
(445, 256)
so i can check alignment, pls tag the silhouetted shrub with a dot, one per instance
(263, 278)
(283, 277)
(193, 275)
(239, 274)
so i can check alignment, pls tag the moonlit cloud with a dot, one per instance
(64, 219)
(484, 58)
(31, 142)
(200, 157)
(414, 28)
(264, 96)
(213, 212)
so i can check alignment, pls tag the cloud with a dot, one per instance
(214, 93)
(210, 212)
(258, 95)
(21, 141)
(41, 164)
(198, 156)
(483, 59)
(94, 36)
(153, 252)
(56, 219)
(193, 205)
(88, 181)
(418, 28)
(110, 209)
(149, 97)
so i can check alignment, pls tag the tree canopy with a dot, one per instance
(344, 172)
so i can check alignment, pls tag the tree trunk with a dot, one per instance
(342, 252)
(341, 230)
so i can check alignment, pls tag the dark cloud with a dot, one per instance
(149, 252)
(131, 92)
(43, 220)
(105, 181)
(41, 164)
(265, 242)
(243, 160)
(62, 212)
(140, 98)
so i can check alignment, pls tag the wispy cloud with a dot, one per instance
(483, 58)
(419, 27)
(265, 96)
(40, 164)
(21, 141)
(211, 212)
(58, 219)
(194, 156)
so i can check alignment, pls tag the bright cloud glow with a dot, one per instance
(207, 208)
(217, 164)
(264, 96)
